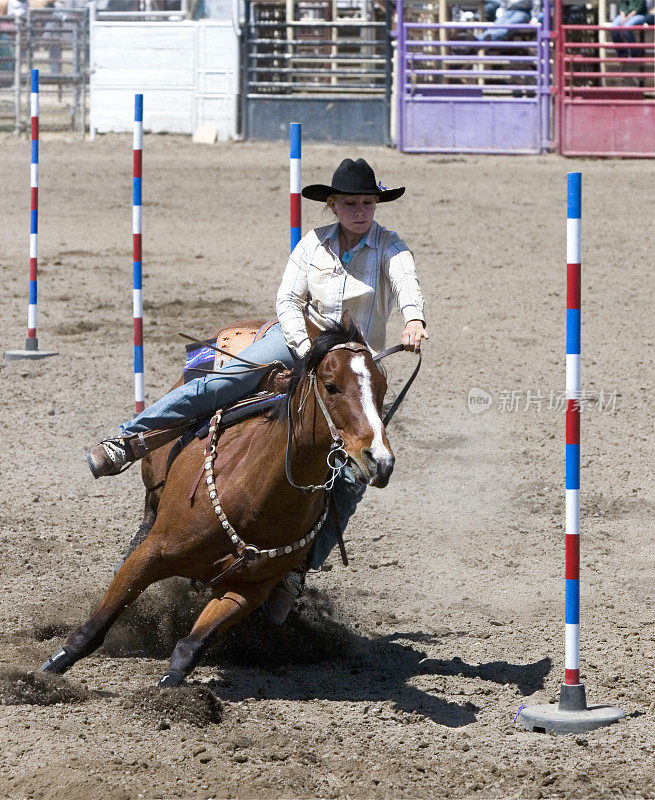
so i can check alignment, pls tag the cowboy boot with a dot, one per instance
(110, 457)
(283, 596)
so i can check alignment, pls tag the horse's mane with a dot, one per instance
(335, 333)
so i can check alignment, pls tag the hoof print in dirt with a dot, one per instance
(26, 687)
(191, 705)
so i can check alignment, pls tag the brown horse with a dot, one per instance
(334, 401)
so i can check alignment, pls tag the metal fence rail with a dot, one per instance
(56, 42)
(317, 56)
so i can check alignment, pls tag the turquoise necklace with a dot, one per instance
(347, 257)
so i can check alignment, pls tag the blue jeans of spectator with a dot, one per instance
(503, 15)
(201, 397)
(346, 495)
(490, 9)
(623, 34)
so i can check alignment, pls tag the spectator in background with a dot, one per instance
(17, 8)
(631, 13)
(490, 8)
(510, 12)
(650, 17)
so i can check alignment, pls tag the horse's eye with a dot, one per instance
(331, 388)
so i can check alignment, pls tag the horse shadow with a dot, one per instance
(381, 669)
(316, 654)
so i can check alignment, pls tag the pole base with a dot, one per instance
(15, 355)
(571, 715)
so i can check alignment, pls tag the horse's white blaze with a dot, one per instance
(378, 449)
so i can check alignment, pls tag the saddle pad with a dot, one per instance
(198, 356)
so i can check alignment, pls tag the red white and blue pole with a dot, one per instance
(137, 284)
(31, 350)
(572, 503)
(32, 343)
(295, 156)
(571, 714)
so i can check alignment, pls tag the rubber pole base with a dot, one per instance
(571, 715)
(16, 355)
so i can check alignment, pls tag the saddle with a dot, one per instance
(203, 359)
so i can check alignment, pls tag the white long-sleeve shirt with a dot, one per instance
(381, 273)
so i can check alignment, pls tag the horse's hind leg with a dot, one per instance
(217, 616)
(142, 568)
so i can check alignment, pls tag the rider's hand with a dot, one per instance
(412, 335)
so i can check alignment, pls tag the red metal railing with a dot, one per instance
(605, 92)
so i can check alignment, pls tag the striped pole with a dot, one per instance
(571, 714)
(32, 343)
(295, 155)
(31, 350)
(137, 282)
(572, 503)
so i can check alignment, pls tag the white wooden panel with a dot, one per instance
(219, 112)
(217, 83)
(188, 73)
(164, 110)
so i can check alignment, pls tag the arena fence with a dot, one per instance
(56, 42)
(332, 76)
(458, 94)
(605, 93)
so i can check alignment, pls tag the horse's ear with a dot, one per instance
(346, 319)
(312, 328)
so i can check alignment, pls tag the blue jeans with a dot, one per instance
(202, 396)
(346, 495)
(490, 9)
(497, 33)
(623, 34)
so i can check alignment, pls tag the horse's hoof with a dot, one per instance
(59, 662)
(170, 680)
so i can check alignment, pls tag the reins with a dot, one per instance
(401, 395)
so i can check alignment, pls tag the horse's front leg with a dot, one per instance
(217, 616)
(144, 567)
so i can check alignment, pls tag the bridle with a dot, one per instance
(337, 445)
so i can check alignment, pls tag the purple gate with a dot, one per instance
(459, 95)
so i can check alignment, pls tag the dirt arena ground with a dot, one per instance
(400, 676)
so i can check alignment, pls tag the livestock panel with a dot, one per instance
(333, 76)
(605, 92)
(460, 93)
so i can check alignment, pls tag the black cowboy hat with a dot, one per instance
(352, 177)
